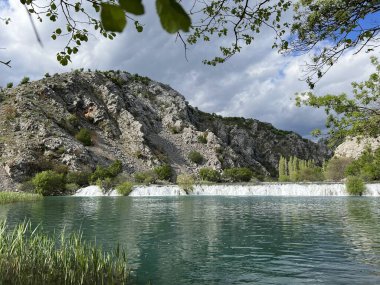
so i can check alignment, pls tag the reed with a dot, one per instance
(30, 256)
(11, 197)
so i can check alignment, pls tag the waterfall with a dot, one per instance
(157, 190)
(264, 189)
(282, 189)
(94, 191)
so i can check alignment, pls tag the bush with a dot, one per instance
(78, 177)
(186, 182)
(9, 84)
(125, 188)
(202, 139)
(25, 80)
(100, 173)
(84, 136)
(115, 168)
(195, 157)
(336, 168)
(105, 184)
(238, 174)
(209, 174)
(48, 182)
(164, 172)
(147, 177)
(71, 187)
(355, 185)
(47, 75)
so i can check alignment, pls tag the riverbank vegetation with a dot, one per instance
(30, 256)
(60, 181)
(12, 197)
(355, 172)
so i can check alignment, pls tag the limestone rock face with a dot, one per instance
(134, 119)
(353, 148)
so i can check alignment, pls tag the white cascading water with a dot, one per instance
(265, 189)
(157, 190)
(94, 191)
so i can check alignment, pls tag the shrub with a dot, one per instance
(147, 177)
(238, 174)
(84, 136)
(175, 129)
(47, 75)
(78, 177)
(71, 187)
(202, 139)
(100, 173)
(209, 174)
(164, 172)
(125, 188)
(115, 168)
(355, 185)
(195, 157)
(48, 182)
(336, 168)
(25, 80)
(186, 182)
(105, 184)
(9, 84)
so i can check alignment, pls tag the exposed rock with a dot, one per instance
(354, 147)
(141, 122)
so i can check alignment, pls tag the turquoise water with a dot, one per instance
(225, 240)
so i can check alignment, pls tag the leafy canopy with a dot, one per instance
(356, 115)
(343, 24)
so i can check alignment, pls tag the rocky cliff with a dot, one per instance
(141, 122)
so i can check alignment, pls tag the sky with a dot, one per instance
(257, 83)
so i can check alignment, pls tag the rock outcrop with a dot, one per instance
(141, 122)
(354, 147)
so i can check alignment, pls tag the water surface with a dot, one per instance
(225, 240)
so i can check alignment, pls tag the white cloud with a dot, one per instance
(256, 83)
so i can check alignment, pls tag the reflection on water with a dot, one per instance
(226, 240)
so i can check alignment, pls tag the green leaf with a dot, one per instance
(132, 6)
(113, 18)
(172, 16)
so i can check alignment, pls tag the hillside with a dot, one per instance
(134, 119)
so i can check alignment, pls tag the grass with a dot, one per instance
(30, 256)
(12, 197)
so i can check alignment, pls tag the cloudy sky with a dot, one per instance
(257, 83)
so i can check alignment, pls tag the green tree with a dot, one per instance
(336, 167)
(356, 115)
(367, 166)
